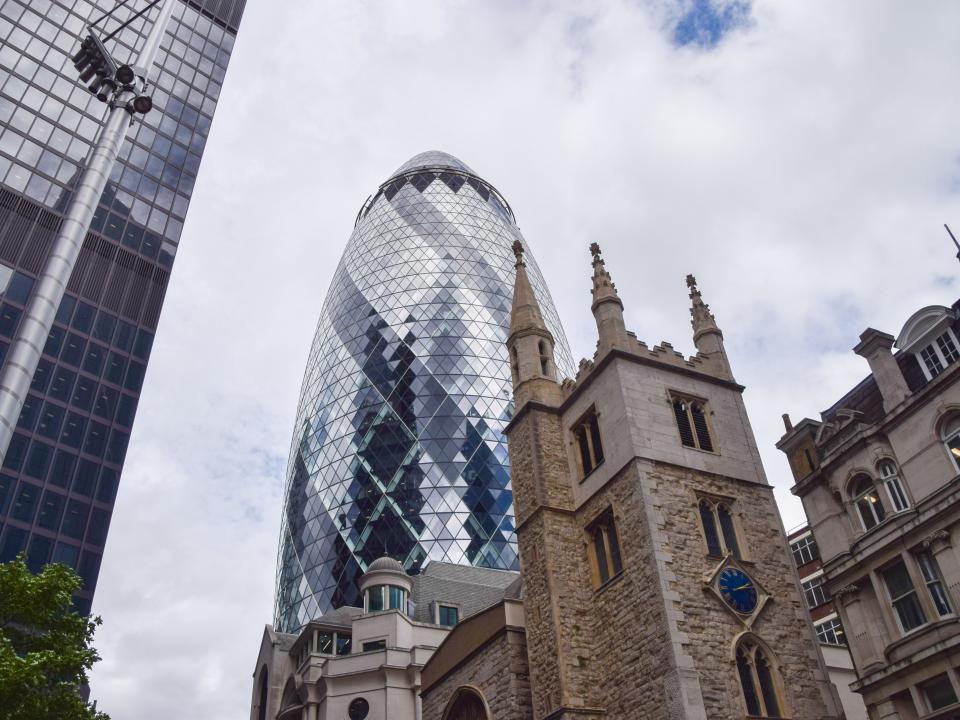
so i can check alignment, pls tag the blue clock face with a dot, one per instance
(738, 590)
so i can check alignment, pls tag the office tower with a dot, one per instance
(60, 475)
(398, 446)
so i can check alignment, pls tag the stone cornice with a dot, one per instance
(912, 404)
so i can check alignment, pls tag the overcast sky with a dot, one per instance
(798, 157)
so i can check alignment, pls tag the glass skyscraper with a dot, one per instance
(398, 447)
(59, 479)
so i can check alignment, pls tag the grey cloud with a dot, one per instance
(802, 166)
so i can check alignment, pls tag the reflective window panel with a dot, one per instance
(399, 445)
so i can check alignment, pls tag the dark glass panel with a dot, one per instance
(25, 502)
(728, 530)
(601, 555)
(50, 511)
(39, 553)
(767, 689)
(75, 519)
(38, 460)
(710, 529)
(67, 554)
(14, 540)
(747, 684)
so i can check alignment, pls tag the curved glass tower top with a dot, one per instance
(398, 447)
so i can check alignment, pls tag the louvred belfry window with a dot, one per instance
(692, 423)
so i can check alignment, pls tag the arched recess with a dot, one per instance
(291, 704)
(762, 689)
(467, 703)
(263, 689)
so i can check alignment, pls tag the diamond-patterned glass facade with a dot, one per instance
(399, 446)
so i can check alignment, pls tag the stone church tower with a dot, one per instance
(657, 579)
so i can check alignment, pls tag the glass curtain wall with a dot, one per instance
(399, 448)
(59, 481)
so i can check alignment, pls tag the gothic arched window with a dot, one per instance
(729, 532)
(691, 417)
(262, 710)
(759, 680)
(515, 364)
(710, 529)
(719, 527)
(869, 506)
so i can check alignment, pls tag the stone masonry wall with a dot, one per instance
(499, 671)
(629, 647)
(553, 602)
(710, 629)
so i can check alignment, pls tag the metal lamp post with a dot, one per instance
(124, 88)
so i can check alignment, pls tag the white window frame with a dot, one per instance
(893, 485)
(834, 620)
(815, 580)
(873, 510)
(954, 434)
(902, 596)
(937, 353)
(807, 541)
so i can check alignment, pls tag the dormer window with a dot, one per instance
(929, 336)
(939, 354)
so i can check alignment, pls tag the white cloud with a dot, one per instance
(801, 169)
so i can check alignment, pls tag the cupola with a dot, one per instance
(385, 586)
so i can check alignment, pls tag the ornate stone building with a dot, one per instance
(657, 579)
(364, 663)
(879, 477)
(826, 621)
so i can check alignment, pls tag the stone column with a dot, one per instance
(941, 548)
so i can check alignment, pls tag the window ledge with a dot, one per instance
(612, 580)
(708, 452)
(592, 470)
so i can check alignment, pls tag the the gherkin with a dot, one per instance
(398, 447)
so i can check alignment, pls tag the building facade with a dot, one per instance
(879, 477)
(60, 475)
(398, 445)
(657, 579)
(365, 663)
(826, 621)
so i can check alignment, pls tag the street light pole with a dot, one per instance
(27, 346)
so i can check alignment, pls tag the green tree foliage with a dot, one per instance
(45, 650)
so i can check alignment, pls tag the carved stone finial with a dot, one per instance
(700, 316)
(518, 252)
(595, 251)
